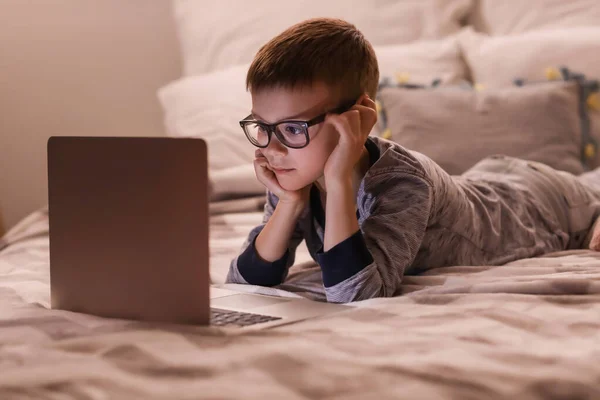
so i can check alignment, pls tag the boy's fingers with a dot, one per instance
(272, 184)
(260, 162)
(341, 125)
(367, 102)
(368, 116)
(365, 110)
(362, 98)
(266, 176)
(344, 123)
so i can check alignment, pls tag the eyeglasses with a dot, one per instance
(291, 133)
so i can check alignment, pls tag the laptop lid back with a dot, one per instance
(129, 227)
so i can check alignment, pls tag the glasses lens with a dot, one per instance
(292, 134)
(257, 133)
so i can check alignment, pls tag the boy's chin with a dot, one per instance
(292, 185)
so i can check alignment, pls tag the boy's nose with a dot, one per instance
(275, 146)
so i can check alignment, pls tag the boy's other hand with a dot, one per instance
(267, 177)
(353, 127)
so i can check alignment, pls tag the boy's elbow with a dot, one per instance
(261, 282)
(381, 290)
(362, 292)
(365, 287)
(236, 275)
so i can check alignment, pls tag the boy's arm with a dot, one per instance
(340, 213)
(269, 250)
(371, 261)
(273, 241)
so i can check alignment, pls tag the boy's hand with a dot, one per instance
(353, 127)
(267, 177)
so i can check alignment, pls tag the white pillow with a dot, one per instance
(225, 33)
(506, 17)
(210, 106)
(498, 60)
(423, 61)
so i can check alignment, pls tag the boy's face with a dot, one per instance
(297, 168)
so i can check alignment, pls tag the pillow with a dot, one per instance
(497, 61)
(457, 127)
(423, 62)
(209, 107)
(222, 34)
(507, 17)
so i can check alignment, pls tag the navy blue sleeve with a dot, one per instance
(344, 260)
(257, 271)
(249, 268)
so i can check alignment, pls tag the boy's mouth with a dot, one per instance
(282, 170)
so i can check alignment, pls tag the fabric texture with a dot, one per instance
(229, 33)
(458, 127)
(414, 216)
(528, 330)
(509, 17)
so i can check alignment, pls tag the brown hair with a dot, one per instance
(327, 50)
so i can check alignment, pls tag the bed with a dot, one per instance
(529, 329)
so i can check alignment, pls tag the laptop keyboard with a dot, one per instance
(220, 317)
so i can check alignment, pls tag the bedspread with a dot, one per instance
(526, 330)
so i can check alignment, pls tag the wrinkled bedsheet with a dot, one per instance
(527, 330)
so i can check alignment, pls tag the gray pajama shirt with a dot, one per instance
(413, 216)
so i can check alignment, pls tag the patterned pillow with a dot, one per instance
(495, 61)
(457, 127)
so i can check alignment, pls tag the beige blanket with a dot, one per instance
(527, 330)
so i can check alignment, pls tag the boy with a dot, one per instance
(370, 210)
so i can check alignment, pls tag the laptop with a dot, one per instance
(129, 235)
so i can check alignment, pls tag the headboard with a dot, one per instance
(73, 67)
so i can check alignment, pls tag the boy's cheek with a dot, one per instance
(305, 174)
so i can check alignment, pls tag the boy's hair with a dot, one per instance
(327, 50)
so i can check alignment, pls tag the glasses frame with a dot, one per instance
(272, 128)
